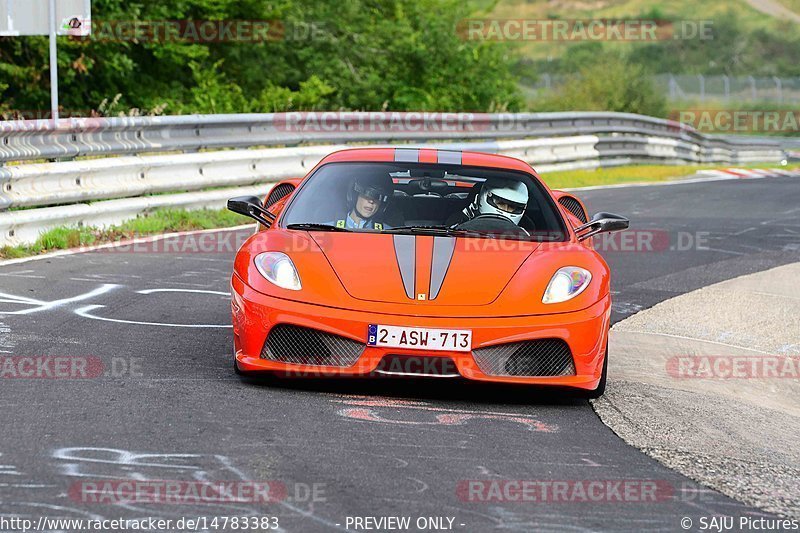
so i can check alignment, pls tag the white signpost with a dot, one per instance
(46, 17)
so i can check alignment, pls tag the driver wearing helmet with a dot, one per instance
(506, 198)
(367, 199)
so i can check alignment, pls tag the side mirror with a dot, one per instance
(250, 206)
(602, 223)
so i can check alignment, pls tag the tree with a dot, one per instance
(359, 54)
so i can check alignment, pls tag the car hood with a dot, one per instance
(438, 270)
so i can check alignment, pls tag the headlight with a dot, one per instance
(278, 269)
(566, 284)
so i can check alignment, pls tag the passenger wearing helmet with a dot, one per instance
(507, 198)
(367, 199)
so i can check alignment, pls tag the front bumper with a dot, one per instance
(254, 314)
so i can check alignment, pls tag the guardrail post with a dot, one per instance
(702, 87)
(779, 87)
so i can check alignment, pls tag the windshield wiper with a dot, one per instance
(316, 227)
(413, 228)
(435, 230)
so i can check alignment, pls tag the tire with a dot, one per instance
(601, 386)
(236, 368)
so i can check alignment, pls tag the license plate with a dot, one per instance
(455, 340)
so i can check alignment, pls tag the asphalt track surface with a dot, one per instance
(376, 448)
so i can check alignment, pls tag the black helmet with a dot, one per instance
(378, 188)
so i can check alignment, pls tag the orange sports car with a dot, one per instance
(423, 262)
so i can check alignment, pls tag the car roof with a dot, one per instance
(429, 155)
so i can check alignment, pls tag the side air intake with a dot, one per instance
(277, 193)
(574, 206)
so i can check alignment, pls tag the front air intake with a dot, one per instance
(536, 358)
(287, 343)
(418, 365)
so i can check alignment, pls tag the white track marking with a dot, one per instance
(21, 274)
(196, 291)
(27, 486)
(47, 306)
(79, 512)
(10, 298)
(693, 339)
(308, 514)
(85, 312)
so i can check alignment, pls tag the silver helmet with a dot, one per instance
(507, 198)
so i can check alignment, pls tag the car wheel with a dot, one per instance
(601, 386)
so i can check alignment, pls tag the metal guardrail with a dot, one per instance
(549, 141)
(123, 177)
(25, 226)
(77, 137)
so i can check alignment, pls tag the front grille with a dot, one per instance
(278, 192)
(574, 207)
(422, 365)
(305, 346)
(541, 357)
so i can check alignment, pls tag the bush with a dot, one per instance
(609, 83)
(313, 94)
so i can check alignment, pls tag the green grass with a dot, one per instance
(164, 220)
(611, 176)
(152, 223)
(630, 174)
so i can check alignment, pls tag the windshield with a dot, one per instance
(418, 198)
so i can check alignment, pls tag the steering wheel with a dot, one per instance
(494, 218)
